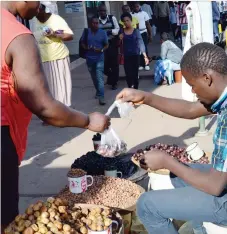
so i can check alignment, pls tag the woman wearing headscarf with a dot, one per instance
(51, 31)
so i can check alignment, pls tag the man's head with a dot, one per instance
(126, 9)
(26, 9)
(164, 37)
(136, 7)
(42, 12)
(94, 23)
(102, 11)
(204, 67)
(126, 18)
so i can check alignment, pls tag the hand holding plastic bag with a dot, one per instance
(111, 145)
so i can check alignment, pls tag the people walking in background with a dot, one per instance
(110, 25)
(216, 18)
(182, 12)
(133, 45)
(50, 32)
(135, 22)
(161, 11)
(96, 44)
(147, 8)
(174, 20)
(145, 31)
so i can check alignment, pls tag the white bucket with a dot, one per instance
(214, 229)
(194, 152)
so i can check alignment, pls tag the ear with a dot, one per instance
(207, 77)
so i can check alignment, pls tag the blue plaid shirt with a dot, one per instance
(219, 157)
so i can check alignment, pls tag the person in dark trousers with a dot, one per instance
(145, 31)
(132, 46)
(110, 25)
(200, 190)
(24, 91)
(96, 44)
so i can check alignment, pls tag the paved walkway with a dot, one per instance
(51, 151)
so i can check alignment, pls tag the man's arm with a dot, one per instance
(64, 36)
(116, 29)
(176, 107)
(164, 50)
(23, 56)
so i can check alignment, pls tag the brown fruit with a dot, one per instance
(28, 230)
(35, 227)
(66, 228)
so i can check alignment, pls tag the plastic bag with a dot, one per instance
(111, 145)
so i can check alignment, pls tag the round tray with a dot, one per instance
(164, 171)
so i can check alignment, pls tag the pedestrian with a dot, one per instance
(24, 91)
(216, 19)
(51, 31)
(135, 22)
(96, 44)
(145, 31)
(110, 25)
(147, 8)
(182, 12)
(161, 11)
(174, 21)
(133, 45)
(200, 193)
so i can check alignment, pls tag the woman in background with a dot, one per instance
(51, 31)
(132, 47)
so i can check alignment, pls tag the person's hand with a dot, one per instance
(137, 97)
(154, 160)
(98, 122)
(49, 33)
(150, 39)
(121, 36)
(97, 50)
(146, 60)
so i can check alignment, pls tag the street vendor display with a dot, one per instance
(60, 217)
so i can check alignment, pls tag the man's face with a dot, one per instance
(102, 12)
(27, 10)
(95, 24)
(126, 9)
(202, 86)
(136, 7)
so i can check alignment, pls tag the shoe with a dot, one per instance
(147, 68)
(102, 102)
(114, 87)
(141, 68)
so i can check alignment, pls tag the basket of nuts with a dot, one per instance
(179, 153)
(60, 217)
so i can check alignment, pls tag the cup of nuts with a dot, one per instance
(78, 181)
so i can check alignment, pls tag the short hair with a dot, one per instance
(203, 56)
(94, 17)
(135, 3)
(101, 6)
(164, 36)
(126, 14)
(125, 6)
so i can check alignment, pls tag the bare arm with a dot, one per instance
(23, 56)
(176, 107)
(148, 26)
(65, 36)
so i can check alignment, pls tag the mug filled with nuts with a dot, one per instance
(78, 180)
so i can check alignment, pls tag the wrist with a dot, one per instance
(87, 121)
(147, 98)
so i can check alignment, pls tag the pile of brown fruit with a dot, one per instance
(173, 150)
(56, 216)
(106, 191)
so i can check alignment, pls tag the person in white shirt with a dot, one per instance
(110, 25)
(145, 31)
(147, 8)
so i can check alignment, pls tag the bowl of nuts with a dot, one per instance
(61, 217)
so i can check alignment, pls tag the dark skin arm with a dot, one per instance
(212, 182)
(148, 26)
(23, 56)
(65, 36)
(175, 107)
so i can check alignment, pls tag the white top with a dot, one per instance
(147, 8)
(142, 17)
(116, 25)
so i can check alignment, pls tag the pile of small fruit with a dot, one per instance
(173, 150)
(56, 216)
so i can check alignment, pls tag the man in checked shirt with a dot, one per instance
(200, 190)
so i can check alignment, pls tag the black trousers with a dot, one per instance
(145, 41)
(111, 65)
(163, 24)
(9, 178)
(131, 66)
(176, 31)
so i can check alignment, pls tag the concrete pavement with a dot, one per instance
(51, 151)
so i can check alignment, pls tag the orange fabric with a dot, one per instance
(13, 112)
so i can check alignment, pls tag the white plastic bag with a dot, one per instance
(153, 30)
(111, 145)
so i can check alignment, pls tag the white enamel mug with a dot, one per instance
(194, 152)
(107, 231)
(113, 173)
(79, 184)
